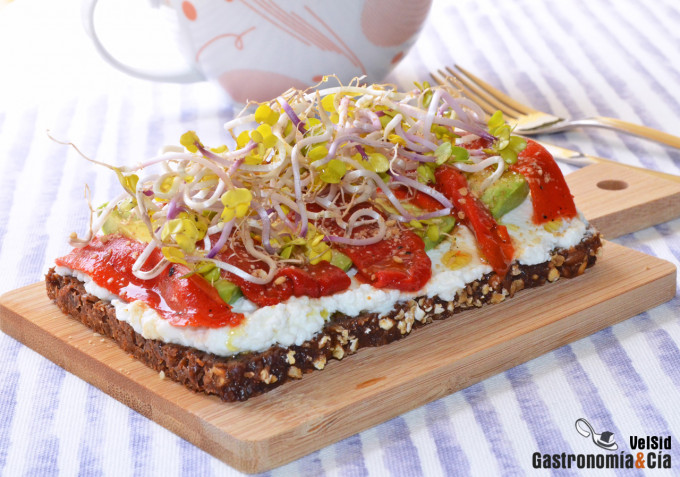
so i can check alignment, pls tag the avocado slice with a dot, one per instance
(228, 291)
(433, 237)
(505, 194)
(341, 260)
(121, 221)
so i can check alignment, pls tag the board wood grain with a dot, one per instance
(374, 385)
(620, 200)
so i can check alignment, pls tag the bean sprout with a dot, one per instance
(326, 154)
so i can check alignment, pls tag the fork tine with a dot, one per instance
(448, 80)
(508, 102)
(480, 93)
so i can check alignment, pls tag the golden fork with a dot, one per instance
(487, 98)
(528, 121)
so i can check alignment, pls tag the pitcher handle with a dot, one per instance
(189, 75)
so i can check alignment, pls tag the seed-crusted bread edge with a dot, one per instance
(250, 374)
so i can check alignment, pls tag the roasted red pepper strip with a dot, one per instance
(189, 301)
(492, 238)
(314, 281)
(317, 280)
(549, 191)
(399, 262)
(419, 199)
(263, 295)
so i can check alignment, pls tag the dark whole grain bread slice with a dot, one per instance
(249, 374)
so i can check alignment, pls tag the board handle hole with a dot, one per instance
(612, 184)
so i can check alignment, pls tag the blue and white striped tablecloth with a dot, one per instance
(616, 58)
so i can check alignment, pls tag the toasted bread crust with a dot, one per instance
(249, 374)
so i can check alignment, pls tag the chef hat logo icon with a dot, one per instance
(604, 440)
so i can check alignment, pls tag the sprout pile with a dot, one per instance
(308, 158)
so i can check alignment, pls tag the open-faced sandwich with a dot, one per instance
(337, 218)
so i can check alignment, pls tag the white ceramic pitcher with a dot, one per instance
(256, 49)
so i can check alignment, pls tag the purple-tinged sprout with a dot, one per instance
(352, 221)
(356, 139)
(332, 150)
(372, 118)
(471, 127)
(420, 140)
(224, 235)
(266, 227)
(223, 161)
(429, 215)
(237, 163)
(342, 132)
(174, 208)
(362, 151)
(438, 196)
(250, 146)
(299, 125)
(327, 201)
(435, 214)
(414, 156)
(304, 219)
(454, 104)
(410, 143)
(301, 219)
(206, 153)
(465, 117)
(283, 216)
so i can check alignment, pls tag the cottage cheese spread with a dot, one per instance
(299, 318)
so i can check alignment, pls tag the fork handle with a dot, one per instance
(634, 129)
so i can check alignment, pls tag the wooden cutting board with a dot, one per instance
(620, 200)
(377, 384)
